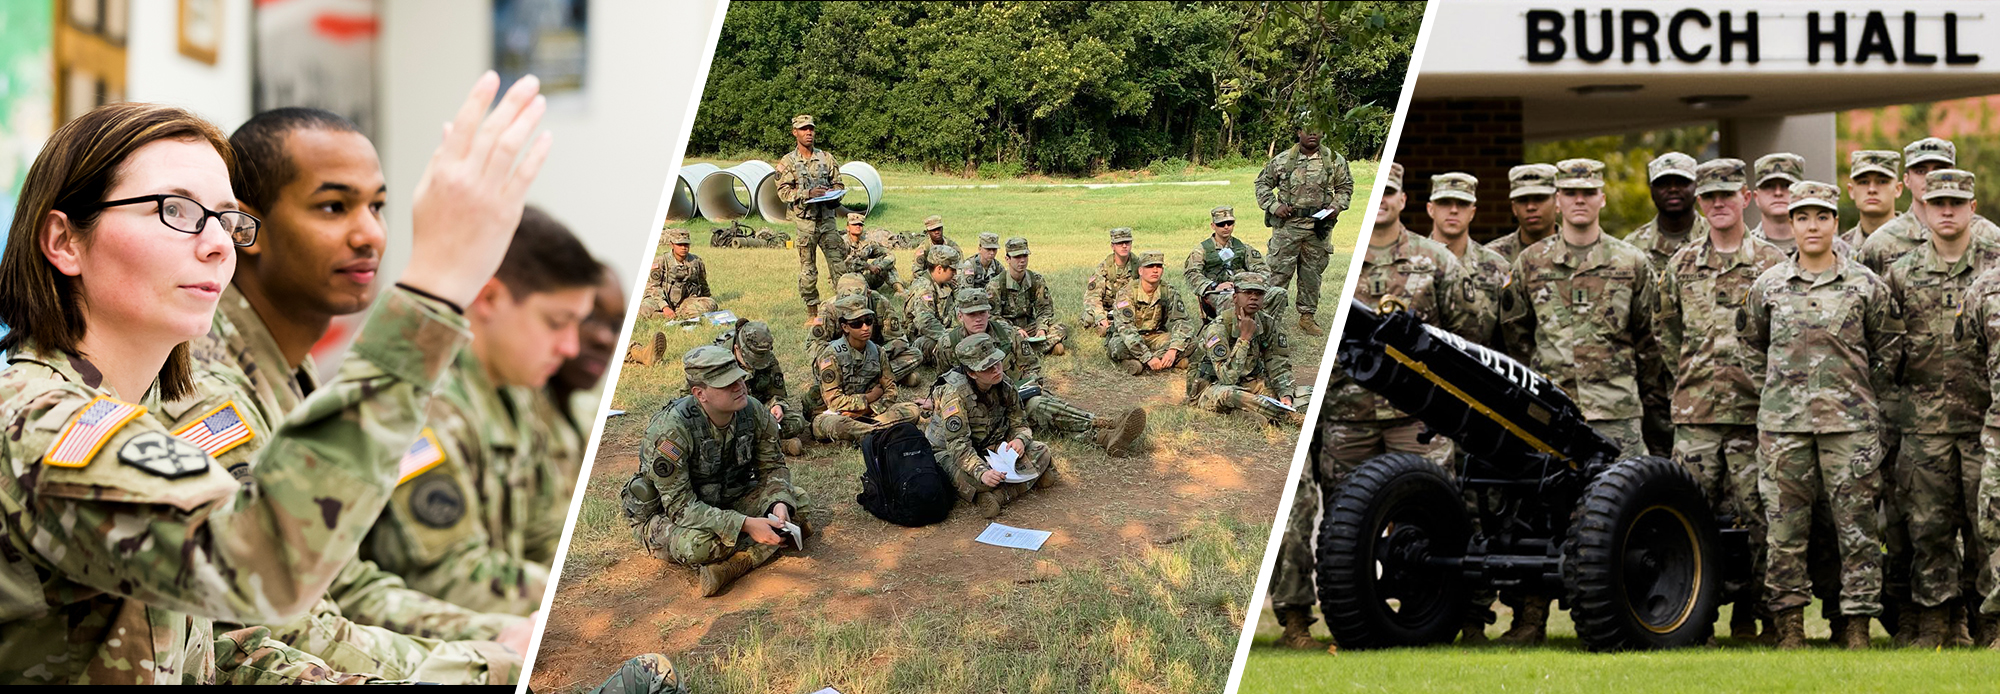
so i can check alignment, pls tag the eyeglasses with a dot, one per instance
(183, 214)
(859, 322)
(1225, 224)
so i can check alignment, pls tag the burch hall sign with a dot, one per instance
(1696, 36)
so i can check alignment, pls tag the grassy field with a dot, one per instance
(1564, 666)
(1143, 587)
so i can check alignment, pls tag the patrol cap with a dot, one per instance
(978, 352)
(942, 255)
(1531, 179)
(1396, 176)
(678, 237)
(1579, 173)
(1248, 281)
(1725, 174)
(850, 283)
(850, 307)
(1121, 235)
(802, 121)
(854, 218)
(1152, 258)
(933, 222)
(1017, 247)
(1670, 164)
(1221, 213)
(755, 339)
(1781, 165)
(1930, 149)
(712, 367)
(1814, 194)
(1948, 183)
(989, 239)
(972, 300)
(1881, 161)
(1456, 185)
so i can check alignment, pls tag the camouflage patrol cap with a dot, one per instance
(1456, 185)
(1121, 235)
(942, 255)
(1531, 179)
(850, 307)
(972, 300)
(854, 218)
(1221, 213)
(1248, 281)
(1948, 183)
(933, 222)
(1780, 165)
(850, 283)
(989, 239)
(802, 121)
(1881, 161)
(1670, 164)
(678, 237)
(1396, 176)
(1017, 247)
(1579, 173)
(1930, 149)
(711, 366)
(978, 352)
(1149, 258)
(1814, 194)
(1715, 175)
(755, 339)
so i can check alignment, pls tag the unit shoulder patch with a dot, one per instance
(163, 455)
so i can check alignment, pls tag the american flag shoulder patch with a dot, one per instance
(93, 426)
(218, 431)
(423, 455)
(668, 449)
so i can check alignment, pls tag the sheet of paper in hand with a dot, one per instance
(1009, 536)
(1005, 459)
(791, 532)
(1280, 403)
(1322, 214)
(830, 195)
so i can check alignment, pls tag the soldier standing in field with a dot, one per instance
(1113, 273)
(1302, 191)
(804, 173)
(1531, 191)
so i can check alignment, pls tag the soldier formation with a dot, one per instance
(1831, 390)
(976, 329)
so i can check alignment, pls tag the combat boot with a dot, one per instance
(793, 447)
(1742, 622)
(988, 503)
(717, 576)
(1790, 626)
(1853, 634)
(1989, 633)
(1132, 366)
(1307, 325)
(1058, 350)
(1906, 623)
(1958, 630)
(1930, 623)
(1048, 478)
(659, 348)
(1116, 436)
(1474, 632)
(1531, 623)
(1298, 629)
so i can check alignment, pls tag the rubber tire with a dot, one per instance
(1631, 495)
(1350, 532)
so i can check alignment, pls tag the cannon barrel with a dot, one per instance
(1494, 407)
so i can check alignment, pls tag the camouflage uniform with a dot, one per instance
(872, 260)
(134, 595)
(457, 527)
(1657, 384)
(930, 310)
(1308, 183)
(922, 267)
(1101, 290)
(1248, 374)
(681, 285)
(891, 331)
(978, 272)
(1025, 301)
(1147, 324)
(1484, 271)
(1523, 181)
(751, 340)
(846, 375)
(1209, 265)
(971, 421)
(1830, 339)
(554, 429)
(817, 222)
(1981, 322)
(1904, 232)
(1046, 412)
(651, 673)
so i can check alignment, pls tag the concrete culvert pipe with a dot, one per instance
(769, 205)
(683, 208)
(860, 174)
(726, 195)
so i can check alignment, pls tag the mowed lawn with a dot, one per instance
(1144, 586)
(1564, 666)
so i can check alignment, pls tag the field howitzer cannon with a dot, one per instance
(1537, 503)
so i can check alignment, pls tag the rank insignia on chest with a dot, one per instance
(218, 431)
(1378, 286)
(91, 429)
(1951, 300)
(425, 453)
(1579, 295)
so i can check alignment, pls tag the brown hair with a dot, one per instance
(80, 163)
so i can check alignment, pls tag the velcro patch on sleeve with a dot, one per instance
(218, 431)
(424, 454)
(92, 427)
(668, 449)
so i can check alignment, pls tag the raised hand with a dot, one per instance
(469, 200)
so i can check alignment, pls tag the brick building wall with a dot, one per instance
(1481, 137)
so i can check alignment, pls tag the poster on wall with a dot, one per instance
(320, 54)
(27, 97)
(546, 38)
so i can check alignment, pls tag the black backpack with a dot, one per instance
(903, 483)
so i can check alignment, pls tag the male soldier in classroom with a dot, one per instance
(891, 332)
(1022, 298)
(978, 411)
(1579, 310)
(928, 305)
(1302, 191)
(933, 237)
(1874, 186)
(1046, 412)
(462, 525)
(1774, 175)
(678, 285)
(1718, 378)
(572, 396)
(805, 173)
(712, 491)
(1151, 328)
(1245, 360)
(873, 260)
(1216, 259)
(756, 352)
(1902, 233)
(1937, 469)
(1101, 290)
(854, 379)
(983, 266)
(1531, 192)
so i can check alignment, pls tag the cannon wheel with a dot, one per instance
(1641, 562)
(1380, 526)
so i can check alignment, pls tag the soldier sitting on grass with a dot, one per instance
(978, 412)
(1245, 361)
(1113, 273)
(1151, 326)
(678, 287)
(855, 381)
(1022, 297)
(1116, 435)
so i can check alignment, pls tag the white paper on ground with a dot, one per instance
(614, 413)
(828, 690)
(1009, 536)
